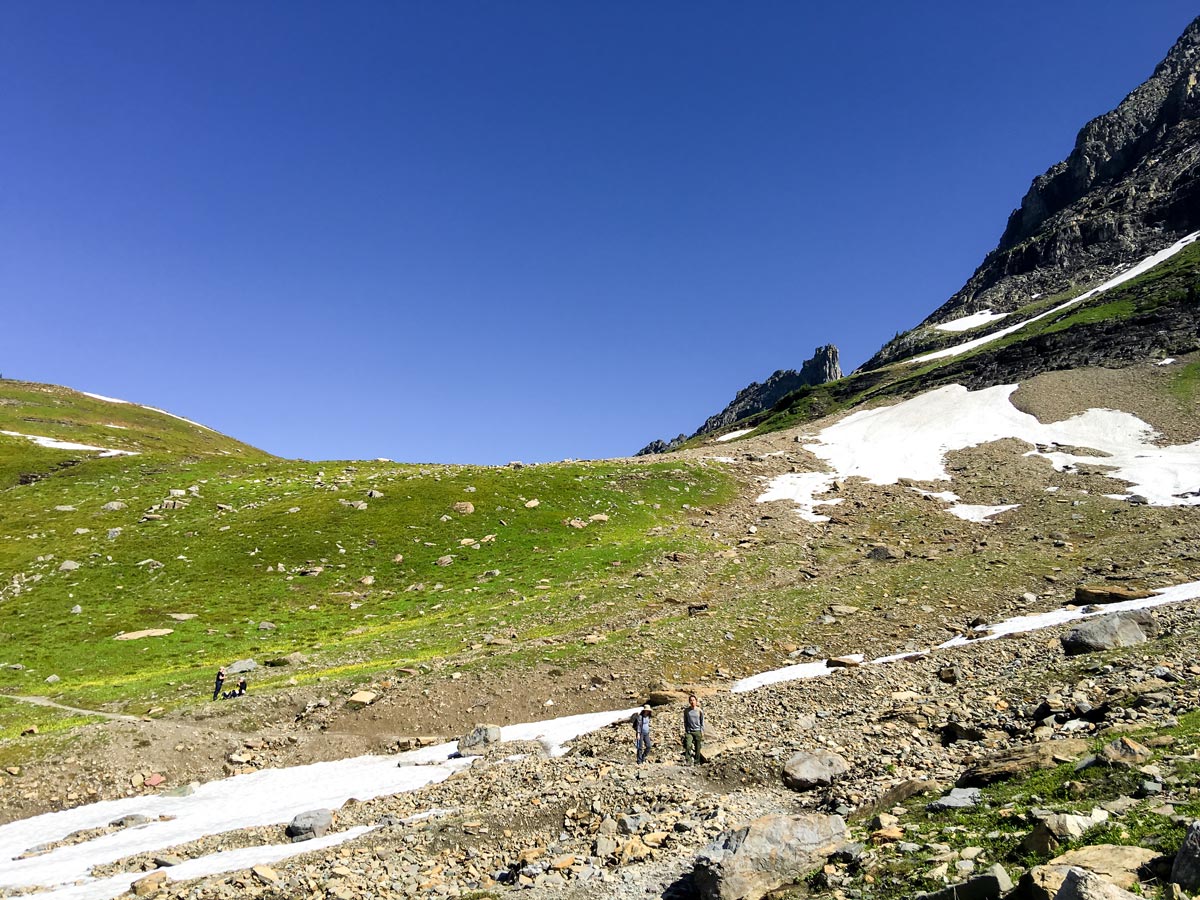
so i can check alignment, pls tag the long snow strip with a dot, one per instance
(266, 797)
(56, 444)
(1132, 272)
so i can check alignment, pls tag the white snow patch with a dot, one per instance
(56, 444)
(173, 416)
(213, 864)
(801, 488)
(1132, 272)
(797, 672)
(733, 434)
(724, 459)
(266, 797)
(143, 406)
(1017, 625)
(1020, 624)
(978, 513)
(947, 496)
(555, 733)
(911, 440)
(966, 323)
(105, 399)
(1165, 362)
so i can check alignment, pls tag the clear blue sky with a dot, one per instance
(483, 231)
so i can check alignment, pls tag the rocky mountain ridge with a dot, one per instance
(822, 368)
(1130, 187)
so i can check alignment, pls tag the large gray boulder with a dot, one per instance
(808, 770)
(480, 737)
(1056, 829)
(1080, 884)
(1105, 633)
(308, 825)
(1117, 864)
(1185, 871)
(747, 863)
(990, 885)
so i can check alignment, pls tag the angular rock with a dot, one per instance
(1115, 862)
(1080, 884)
(360, 699)
(1104, 633)
(151, 884)
(808, 770)
(1004, 765)
(748, 862)
(1042, 882)
(958, 798)
(480, 737)
(1185, 871)
(989, 885)
(1107, 593)
(1125, 752)
(241, 665)
(1059, 828)
(308, 825)
(144, 633)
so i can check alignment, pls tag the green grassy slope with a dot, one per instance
(349, 578)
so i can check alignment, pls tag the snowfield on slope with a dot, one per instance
(266, 797)
(911, 439)
(56, 444)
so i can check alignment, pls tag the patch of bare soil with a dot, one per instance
(1143, 390)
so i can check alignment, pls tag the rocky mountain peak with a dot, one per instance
(824, 366)
(1130, 187)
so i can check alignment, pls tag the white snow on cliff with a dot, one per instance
(966, 323)
(1132, 272)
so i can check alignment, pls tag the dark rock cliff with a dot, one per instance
(1130, 187)
(823, 367)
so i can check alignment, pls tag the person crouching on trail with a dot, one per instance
(693, 730)
(220, 682)
(641, 727)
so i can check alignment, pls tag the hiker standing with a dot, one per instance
(693, 729)
(641, 727)
(220, 682)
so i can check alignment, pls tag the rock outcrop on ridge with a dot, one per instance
(1130, 187)
(755, 397)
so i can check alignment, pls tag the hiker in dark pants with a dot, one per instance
(693, 730)
(242, 686)
(220, 682)
(641, 727)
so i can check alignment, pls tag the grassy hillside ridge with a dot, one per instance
(63, 414)
(348, 577)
